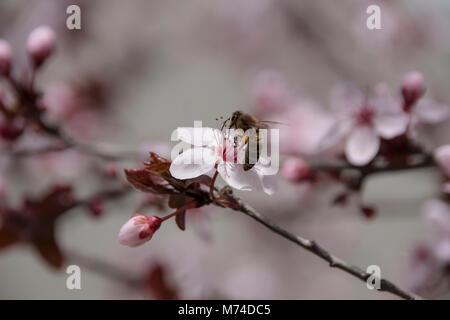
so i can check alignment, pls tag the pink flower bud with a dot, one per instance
(96, 207)
(296, 170)
(12, 129)
(5, 58)
(138, 230)
(40, 44)
(111, 170)
(442, 157)
(413, 87)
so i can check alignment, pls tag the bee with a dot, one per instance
(244, 121)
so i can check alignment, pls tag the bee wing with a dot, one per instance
(267, 123)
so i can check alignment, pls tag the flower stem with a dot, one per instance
(189, 205)
(211, 186)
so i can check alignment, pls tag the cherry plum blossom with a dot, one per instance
(364, 121)
(212, 152)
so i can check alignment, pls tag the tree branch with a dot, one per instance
(106, 152)
(316, 249)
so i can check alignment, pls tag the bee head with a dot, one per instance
(234, 117)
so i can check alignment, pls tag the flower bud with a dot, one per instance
(296, 170)
(138, 230)
(12, 129)
(111, 170)
(40, 44)
(96, 207)
(5, 58)
(442, 157)
(413, 88)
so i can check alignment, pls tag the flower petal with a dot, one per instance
(268, 184)
(391, 125)
(346, 98)
(193, 163)
(437, 214)
(430, 111)
(235, 176)
(442, 156)
(335, 133)
(362, 146)
(384, 101)
(198, 136)
(266, 173)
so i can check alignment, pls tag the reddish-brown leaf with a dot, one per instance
(177, 200)
(203, 179)
(8, 237)
(52, 205)
(145, 181)
(157, 283)
(48, 248)
(180, 219)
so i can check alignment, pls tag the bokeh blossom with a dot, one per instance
(364, 121)
(430, 261)
(442, 156)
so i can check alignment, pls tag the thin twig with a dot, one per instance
(316, 249)
(211, 187)
(106, 152)
(427, 161)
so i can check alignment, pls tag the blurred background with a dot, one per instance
(139, 69)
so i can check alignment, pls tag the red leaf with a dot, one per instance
(145, 181)
(8, 237)
(53, 204)
(203, 179)
(158, 285)
(177, 201)
(49, 250)
(180, 219)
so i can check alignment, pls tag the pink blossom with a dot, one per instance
(428, 111)
(307, 123)
(364, 122)
(442, 156)
(40, 44)
(413, 87)
(138, 230)
(429, 260)
(423, 269)
(60, 100)
(296, 170)
(437, 213)
(5, 58)
(212, 152)
(423, 111)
